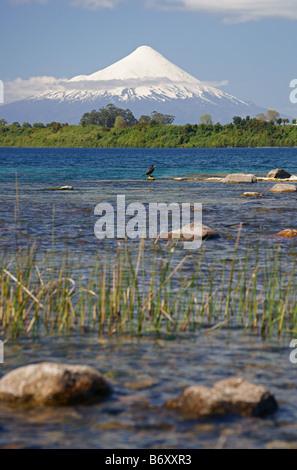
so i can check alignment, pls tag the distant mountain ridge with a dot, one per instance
(144, 82)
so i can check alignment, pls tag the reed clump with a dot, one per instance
(136, 293)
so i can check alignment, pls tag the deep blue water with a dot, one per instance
(66, 166)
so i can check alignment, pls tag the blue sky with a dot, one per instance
(249, 43)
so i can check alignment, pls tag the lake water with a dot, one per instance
(99, 175)
(61, 166)
(145, 372)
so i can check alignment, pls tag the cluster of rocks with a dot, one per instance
(188, 231)
(277, 174)
(50, 384)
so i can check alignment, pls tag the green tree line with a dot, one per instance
(112, 127)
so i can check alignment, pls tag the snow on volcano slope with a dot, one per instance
(144, 63)
(144, 81)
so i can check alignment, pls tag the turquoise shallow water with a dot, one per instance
(133, 417)
(61, 166)
(99, 175)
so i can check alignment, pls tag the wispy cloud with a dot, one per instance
(22, 2)
(96, 4)
(231, 11)
(20, 89)
(220, 84)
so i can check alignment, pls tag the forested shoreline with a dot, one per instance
(112, 127)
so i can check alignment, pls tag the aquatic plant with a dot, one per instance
(138, 289)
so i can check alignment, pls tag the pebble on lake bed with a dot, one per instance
(52, 384)
(234, 396)
(63, 188)
(252, 195)
(60, 188)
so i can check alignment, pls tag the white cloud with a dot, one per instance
(96, 4)
(220, 84)
(20, 89)
(22, 2)
(233, 11)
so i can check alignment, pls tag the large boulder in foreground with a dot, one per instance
(187, 232)
(279, 173)
(52, 384)
(239, 178)
(283, 188)
(234, 396)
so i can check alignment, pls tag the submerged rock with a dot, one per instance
(278, 173)
(188, 231)
(239, 178)
(52, 384)
(151, 178)
(227, 397)
(283, 188)
(247, 194)
(60, 188)
(289, 233)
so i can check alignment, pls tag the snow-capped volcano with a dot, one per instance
(144, 82)
(144, 63)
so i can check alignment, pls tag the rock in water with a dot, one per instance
(239, 178)
(188, 231)
(60, 188)
(289, 233)
(227, 397)
(52, 384)
(247, 194)
(283, 188)
(63, 188)
(279, 173)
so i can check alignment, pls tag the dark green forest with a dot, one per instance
(113, 127)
